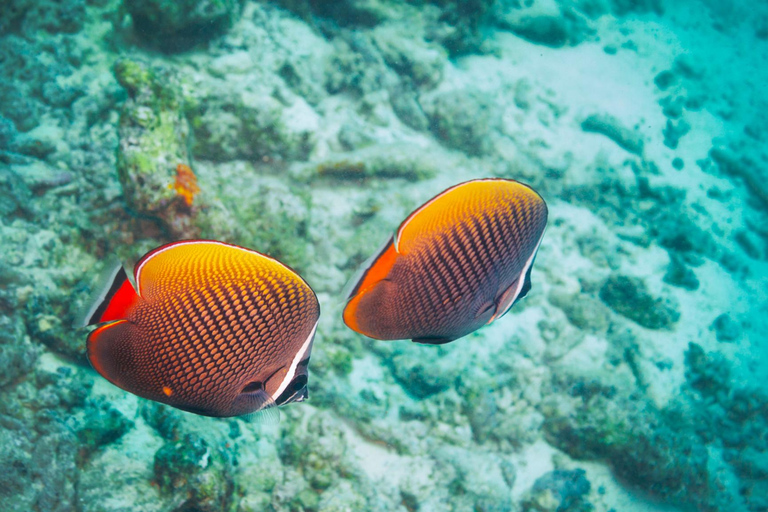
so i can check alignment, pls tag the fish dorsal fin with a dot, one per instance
(195, 262)
(453, 205)
(113, 297)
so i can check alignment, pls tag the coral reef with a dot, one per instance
(153, 143)
(629, 297)
(630, 378)
(176, 26)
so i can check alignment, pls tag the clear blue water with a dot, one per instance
(630, 378)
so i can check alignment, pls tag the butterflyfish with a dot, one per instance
(458, 262)
(210, 328)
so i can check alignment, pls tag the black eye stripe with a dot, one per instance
(293, 389)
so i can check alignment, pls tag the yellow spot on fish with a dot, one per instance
(168, 391)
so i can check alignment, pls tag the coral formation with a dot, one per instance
(153, 142)
(175, 26)
(630, 378)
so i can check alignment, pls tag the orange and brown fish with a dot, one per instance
(210, 328)
(458, 262)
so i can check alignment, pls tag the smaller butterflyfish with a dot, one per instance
(210, 328)
(458, 262)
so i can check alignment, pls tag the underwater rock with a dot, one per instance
(25, 112)
(612, 128)
(352, 13)
(153, 143)
(7, 132)
(679, 274)
(726, 330)
(559, 491)
(674, 131)
(672, 106)
(17, 353)
(358, 67)
(382, 161)
(629, 297)
(318, 450)
(462, 119)
(421, 378)
(664, 79)
(707, 373)
(641, 448)
(166, 420)
(415, 61)
(252, 127)
(342, 495)
(195, 475)
(583, 311)
(16, 466)
(179, 25)
(101, 425)
(407, 108)
(477, 479)
(15, 196)
(733, 417)
(741, 161)
(49, 317)
(458, 26)
(540, 23)
(53, 16)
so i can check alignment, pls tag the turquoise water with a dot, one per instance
(631, 377)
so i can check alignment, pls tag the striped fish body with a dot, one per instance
(455, 264)
(211, 328)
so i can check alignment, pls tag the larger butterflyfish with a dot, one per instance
(210, 328)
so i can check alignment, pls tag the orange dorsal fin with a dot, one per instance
(455, 204)
(200, 263)
(114, 300)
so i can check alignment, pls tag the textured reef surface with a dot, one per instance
(631, 378)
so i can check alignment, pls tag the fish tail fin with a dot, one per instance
(111, 300)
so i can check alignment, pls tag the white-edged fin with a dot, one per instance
(351, 287)
(268, 416)
(522, 284)
(295, 363)
(109, 281)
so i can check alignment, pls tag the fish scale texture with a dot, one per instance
(457, 256)
(213, 319)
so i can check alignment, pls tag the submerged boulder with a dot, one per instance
(179, 25)
(153, 142)
(629, 297)
(195, 475)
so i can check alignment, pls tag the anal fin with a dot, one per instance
(433, 341)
